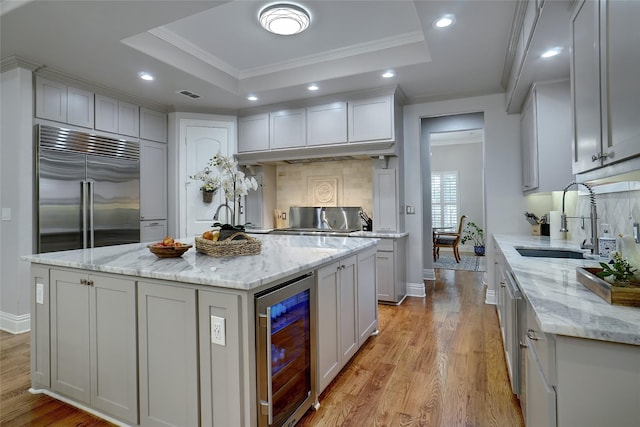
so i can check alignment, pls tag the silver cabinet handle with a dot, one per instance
(531, 335)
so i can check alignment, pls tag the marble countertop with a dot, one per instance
(562, 304)
(370, 234)
(281, 257)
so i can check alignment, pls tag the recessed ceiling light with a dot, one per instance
(145, 76)
(313, 87)
(388, 74)
(284, 19)
(444, 21)
(551, 52)
(252, 98)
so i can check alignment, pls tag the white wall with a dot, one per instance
(502, 184)
(16, 194)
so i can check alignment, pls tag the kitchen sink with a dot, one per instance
(550, 253)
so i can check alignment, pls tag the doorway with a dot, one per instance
(453, 174)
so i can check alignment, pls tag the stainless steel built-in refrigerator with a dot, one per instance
(88, 190)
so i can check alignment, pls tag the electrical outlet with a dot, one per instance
(40, 293)
(218, 335)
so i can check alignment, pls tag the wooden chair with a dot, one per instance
(448, 240)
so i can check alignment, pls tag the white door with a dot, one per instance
(201, 140)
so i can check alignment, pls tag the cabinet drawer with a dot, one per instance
(543, 346)
(385, 245)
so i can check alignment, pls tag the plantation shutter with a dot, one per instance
(444, 199)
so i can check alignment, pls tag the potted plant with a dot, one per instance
(210, 184)
(618, 271)
(472, 232)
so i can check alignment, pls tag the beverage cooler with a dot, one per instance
(285, 329)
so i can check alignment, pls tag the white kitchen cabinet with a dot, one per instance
(153, 180)
(386, 209)
(168, 342)
(391, 271)
(605, 92)
(253, 133)
(337, 318)
(367, 296)
(287, 128)
(80, 111)
(51, 100)
(128, 119)
(153, 125)
(40, 328)
(541, 396)
(546, 137)
(106, 114)
(371, 119)
(327, 124)
(153, 231)
(93, 341)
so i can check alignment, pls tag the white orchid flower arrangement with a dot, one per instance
(234, 183)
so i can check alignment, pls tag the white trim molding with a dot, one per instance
(15, 323)
(416, 290)
(490, 297)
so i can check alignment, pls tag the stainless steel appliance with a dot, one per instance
(88, 190)
(323, 220)
(285, 330)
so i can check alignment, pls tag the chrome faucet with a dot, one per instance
(224, 205)
(593, 246)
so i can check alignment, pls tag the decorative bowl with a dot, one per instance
(168, 251)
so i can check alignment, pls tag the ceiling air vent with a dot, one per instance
(189, 94)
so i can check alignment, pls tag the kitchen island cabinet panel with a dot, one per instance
(167, 325)
(40, 328)
(367, 296)
(329, 356)
(348, 309)
(221, 367)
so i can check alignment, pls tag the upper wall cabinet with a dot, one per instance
(546, 137)
(287, 129)
(606, 96)
(153, 125)
(117, 116)
(327, 124)
(371, 119)
(61, 103)
(253, 133)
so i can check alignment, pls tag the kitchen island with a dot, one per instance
(572, 357)
(128, 336)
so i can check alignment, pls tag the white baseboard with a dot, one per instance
(416, 290)
(15, 324)
(490, 297)
(429, 274)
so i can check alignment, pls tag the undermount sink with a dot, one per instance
(550, 253)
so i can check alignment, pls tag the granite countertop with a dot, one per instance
(563, 305)
(281, 257)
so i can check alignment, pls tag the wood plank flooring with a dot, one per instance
(438, 361)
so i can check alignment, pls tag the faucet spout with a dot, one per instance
(217, 214)
(593, 217)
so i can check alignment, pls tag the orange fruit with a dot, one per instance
(207, 235)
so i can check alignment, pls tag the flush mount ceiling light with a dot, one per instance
(388, 74)
(145, 76)
(313, 87)
(252, 98)
(284, 19)
(551, 52)
(444, 21)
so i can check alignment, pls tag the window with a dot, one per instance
(444, 199)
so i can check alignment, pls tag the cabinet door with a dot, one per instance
(153, 125)
(385, 200)
(51, 100)
(287, 129)
(128, 119)
(529, 144)
(621, 91)
(329, 355)
(540, 396)
(371, 119)
(585, 78)
(106, 114)
(40, 327)
(221, 367)
(367, 296)
(253, 133)
(80, 107)
(114, 374)
(153, 231)
(385, 275)
(348, 309)
(70, 355)
(153, 180)
(167, 326)
(327, 124)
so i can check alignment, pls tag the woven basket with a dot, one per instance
(228, 247)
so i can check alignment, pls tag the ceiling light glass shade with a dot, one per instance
(388, 75)
(313, 87)
(552, 52)
(145, 76)
(284, 19)
(252, 98)
(444, 21)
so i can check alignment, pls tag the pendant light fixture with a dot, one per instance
(284, 19)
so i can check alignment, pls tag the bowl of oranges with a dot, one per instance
(169, 248)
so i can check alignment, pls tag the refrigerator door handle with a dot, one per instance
(83, 195)
(91, 225)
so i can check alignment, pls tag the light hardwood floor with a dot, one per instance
(438, 361)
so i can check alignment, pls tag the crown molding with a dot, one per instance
(12, 62)
(514, 37)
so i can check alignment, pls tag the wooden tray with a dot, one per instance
(617, 295)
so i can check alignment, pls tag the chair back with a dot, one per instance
(461, 226)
